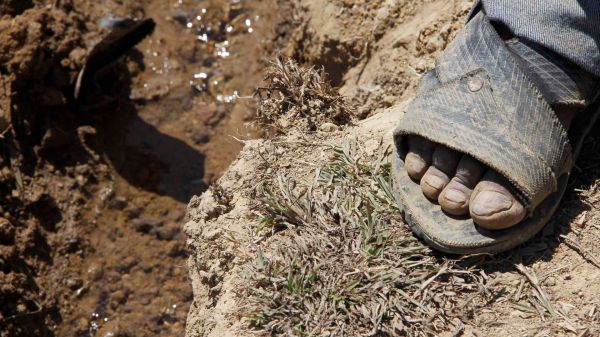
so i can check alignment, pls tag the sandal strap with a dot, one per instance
(478, 100)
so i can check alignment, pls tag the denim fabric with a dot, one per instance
(570, 28)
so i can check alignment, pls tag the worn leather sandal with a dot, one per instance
(483, 101)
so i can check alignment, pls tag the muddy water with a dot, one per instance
(190, 98)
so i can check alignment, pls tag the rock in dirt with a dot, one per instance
(328, 127)
(118, 203)
(74, 283)
(165, 233)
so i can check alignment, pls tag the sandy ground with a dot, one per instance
(375, 51)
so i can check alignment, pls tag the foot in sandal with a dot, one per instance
(485, 149)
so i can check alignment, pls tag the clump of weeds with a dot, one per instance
(334, 258)
(297, 97)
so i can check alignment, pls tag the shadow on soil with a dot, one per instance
(143, 155)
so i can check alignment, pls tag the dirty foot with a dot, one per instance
(464, 186)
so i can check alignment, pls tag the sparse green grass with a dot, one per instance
(344, 263)
(334, 257)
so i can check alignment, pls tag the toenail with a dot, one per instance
(435, 182)
(414, 162)
(455, 196)
(490, 202)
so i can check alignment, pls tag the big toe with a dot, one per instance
(493, 206)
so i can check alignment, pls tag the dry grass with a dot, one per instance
(334, 257)
(297, 97)
(343, 262)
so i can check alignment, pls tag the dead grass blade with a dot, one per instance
(342, 262)
(541, 295)
(297, 97)
(586, 254)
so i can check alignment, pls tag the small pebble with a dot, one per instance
(74, 283)
(165, 234)
(134, 213)
(118, 203)
(96, 272)
(328, 127)
(21, 308)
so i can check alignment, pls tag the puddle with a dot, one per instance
(190, 98)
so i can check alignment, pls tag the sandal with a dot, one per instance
(482, 100)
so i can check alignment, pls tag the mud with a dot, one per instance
(93, 191)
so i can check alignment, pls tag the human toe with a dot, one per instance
(493, 206)
(418, 158)
(455, 197)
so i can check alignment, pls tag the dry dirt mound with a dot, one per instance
(300, 235)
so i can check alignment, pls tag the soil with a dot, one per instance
(94, 190)
(376, 51)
